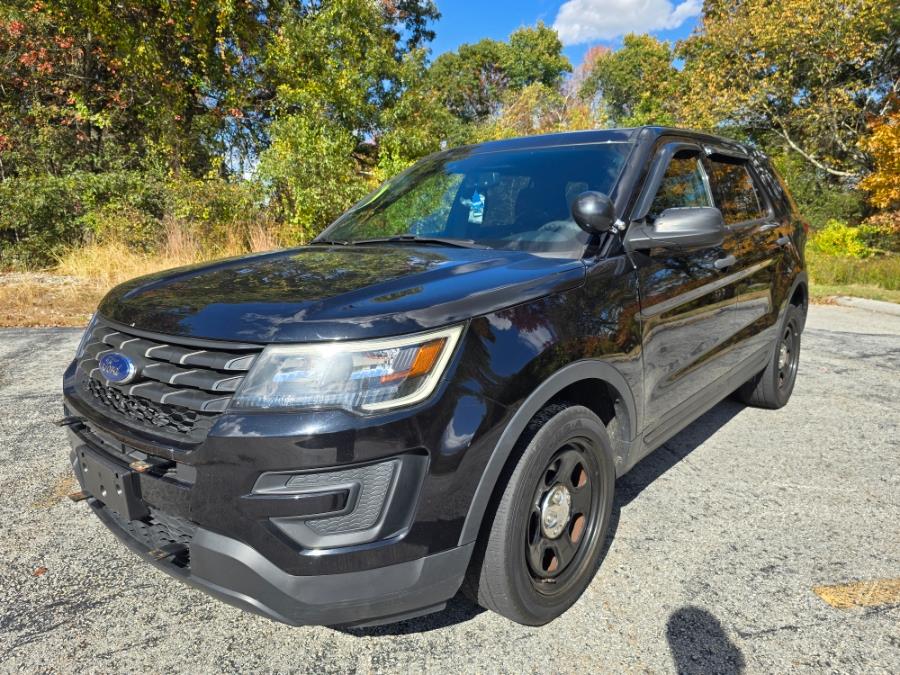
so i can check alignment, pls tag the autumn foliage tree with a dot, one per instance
(64, 105)
(883, 145)
(810, 72)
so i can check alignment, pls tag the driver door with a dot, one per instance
(686, 297)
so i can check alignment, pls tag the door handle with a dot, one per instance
(725, 262)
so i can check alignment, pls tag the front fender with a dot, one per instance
(578, 371)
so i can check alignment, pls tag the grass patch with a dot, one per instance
(69, 294)
(830, 270)
(113, 261)
(874, 278)
(820, 293)
(38, 299)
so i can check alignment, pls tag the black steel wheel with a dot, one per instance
(788, 357)
(542, 544)
(772, 388)
(564, 512)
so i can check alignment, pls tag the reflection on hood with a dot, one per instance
(318, 293)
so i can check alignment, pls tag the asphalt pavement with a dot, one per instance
(757, 541)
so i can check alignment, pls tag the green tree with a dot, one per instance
(818, 199)
(311, 172)
(473, 81)
(534, 56)
(636, 84)
(339, 71)
(418, 123)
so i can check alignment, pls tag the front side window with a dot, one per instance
(683, 185)
(507, 199)
(737, 196)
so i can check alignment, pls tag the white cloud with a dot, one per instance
(587, 20)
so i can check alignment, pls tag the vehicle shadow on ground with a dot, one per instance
(460, 609)
(677, 448)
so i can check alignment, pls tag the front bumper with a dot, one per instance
(237, 574)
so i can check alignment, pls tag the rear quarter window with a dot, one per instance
(737, 196)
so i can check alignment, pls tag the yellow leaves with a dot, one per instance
(883, 184)
(801, 67)
(537, 109)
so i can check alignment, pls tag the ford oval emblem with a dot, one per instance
(117, 368)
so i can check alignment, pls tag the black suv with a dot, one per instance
(440, 391)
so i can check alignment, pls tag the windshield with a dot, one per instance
(513, 199)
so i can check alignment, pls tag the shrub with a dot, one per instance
(37, 219)
(881, 232)
(40, 216)
(121, 222)
(217, 214)
(839, 239)
(313, 174)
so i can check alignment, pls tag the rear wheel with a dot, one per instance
(541, 549)
(772, 388)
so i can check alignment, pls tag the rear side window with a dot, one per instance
(738, 198)
(682, 185)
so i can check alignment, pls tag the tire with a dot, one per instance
(772, 388)
(564, 450)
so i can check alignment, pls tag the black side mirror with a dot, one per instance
(691, 227)
(594, 212)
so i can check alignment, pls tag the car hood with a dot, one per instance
(341, 292)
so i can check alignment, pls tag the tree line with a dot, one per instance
(126, 119)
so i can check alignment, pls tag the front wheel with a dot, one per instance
(541, 550)
(772, 388)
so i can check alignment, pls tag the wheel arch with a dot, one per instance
(578, 379)
(799, 296)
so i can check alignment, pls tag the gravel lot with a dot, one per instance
(720, 538)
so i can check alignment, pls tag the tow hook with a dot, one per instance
(70, 421)
(167, 551)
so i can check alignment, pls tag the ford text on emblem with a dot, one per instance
(117, 368)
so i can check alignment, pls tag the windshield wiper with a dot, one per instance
(416, 239)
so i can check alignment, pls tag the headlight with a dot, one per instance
(366, 376)
(86, 336)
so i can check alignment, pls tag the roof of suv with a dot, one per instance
(631, 134)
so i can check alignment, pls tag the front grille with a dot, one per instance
(169, 417)
(179, 390)
(157, 530)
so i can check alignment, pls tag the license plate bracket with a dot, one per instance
(112, 483)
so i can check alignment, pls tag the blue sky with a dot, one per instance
(581, 23)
